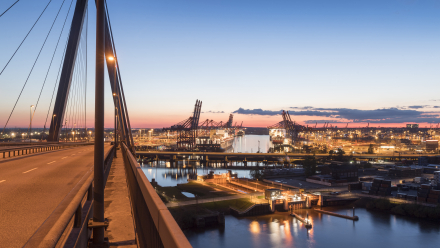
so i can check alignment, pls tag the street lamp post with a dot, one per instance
(115, 95)
(30, 123)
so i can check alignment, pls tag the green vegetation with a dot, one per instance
(168, 194)
(309, 165)
(223, 206)
(256, 174)
(413, 210)
(185, 215)
(202, 190)
(370, 149)
(340, 153)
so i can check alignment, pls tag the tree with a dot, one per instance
(256, 174)
(370, 149)
(309, 165)
(340, 153)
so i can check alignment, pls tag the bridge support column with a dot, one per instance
(98, 208)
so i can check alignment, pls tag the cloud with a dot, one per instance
(384, 115)
(324, 121)
(256, 112)
(215, 112)
(418, 106)
(305, 107)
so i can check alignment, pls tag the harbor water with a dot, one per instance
(374, 229)
(166, 176)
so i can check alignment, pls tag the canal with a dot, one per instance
(374, 229)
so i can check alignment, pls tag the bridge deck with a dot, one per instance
(120, 231)
(32, 186)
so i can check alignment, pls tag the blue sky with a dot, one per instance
(269, 55)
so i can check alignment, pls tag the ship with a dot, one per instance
(227, 142)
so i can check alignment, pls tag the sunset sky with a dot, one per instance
(355, 62)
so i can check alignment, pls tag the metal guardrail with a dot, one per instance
(67, 226)
(154, 224)
(30, 149)
(41, 143)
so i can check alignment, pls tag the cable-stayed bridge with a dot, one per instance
(53, 186)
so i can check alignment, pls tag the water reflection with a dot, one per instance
(254, 227)
(282, 230)
(173, 176)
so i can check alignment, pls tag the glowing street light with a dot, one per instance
(30, 123)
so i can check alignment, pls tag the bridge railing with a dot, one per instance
(5, 152)
(67, 226)
(154, 224)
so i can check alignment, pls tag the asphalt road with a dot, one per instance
(32, 186)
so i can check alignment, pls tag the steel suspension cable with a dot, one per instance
(78, 83)
(9, 8)
(53, 55)
(85, 87)
(80, 78)
(35, 62)
(25, 37)
(54, 87)
(122, 101)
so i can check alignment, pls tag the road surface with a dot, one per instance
(32, 186)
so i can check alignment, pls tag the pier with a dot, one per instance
(306, 222)
(338, 215)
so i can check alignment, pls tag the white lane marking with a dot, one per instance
(30, 170)
(51, 162)
(65, 157)
(2, 181)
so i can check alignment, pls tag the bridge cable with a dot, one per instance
(50, 65)
(9, 8)
(85, 86)
(78, 86)
(25, 38)
(123, 103)
(35, 62)
(71, 99)
(81, 109)
(80, 89)
(56, 82)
